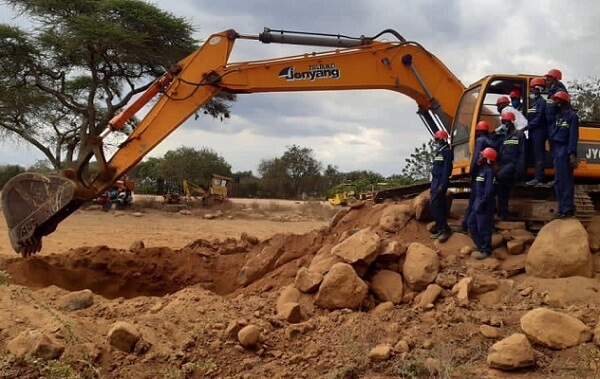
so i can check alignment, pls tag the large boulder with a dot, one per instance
(554, 329)
(76, 300)
(511, 353)
(593, 230)
(258, 264)
(362, 246)
(35, 343)
(123, 336)
(387, 286)
(421, 205)
(421, 266)
(395, 217)
(561, 249)
(324, 260)
(341, 288)
(307, 281)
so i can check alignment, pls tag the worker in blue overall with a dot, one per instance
(481, 219)
(537, 128)
(553, 85)
(511, 162)
(564, 136)
(482, 131)
(440, 180)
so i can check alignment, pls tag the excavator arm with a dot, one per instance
(34, 204)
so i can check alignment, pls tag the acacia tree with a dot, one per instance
(195, 165)
(418, 165)
(585, 96)
(296, 171)
(61, 82)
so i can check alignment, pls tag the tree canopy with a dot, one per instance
(418, 165)
(84, 60)
(585, 96)
(294, 173)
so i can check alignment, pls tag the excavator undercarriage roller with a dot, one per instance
(33, 205)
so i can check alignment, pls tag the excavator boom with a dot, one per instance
(34, 204)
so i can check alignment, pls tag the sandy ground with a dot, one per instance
(220, 298)
(119, 229)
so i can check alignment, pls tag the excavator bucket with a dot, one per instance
(33, 205)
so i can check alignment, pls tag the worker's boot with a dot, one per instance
(533, 182)
(446, 233)
(479, 255)
(435, 234)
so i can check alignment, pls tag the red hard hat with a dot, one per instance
(483, 125)
(508, 116)
(503, 100)
(537, 82)
(515, 93)
(441, 134)
(561, 95)
(490, 154)
(554, 73)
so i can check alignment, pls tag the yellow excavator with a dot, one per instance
(34, 204)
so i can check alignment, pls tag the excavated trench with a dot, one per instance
(114, 273)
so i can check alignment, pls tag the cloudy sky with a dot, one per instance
(369, 130)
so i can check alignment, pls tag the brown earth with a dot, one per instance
(182, 292)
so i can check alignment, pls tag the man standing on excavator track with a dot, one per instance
(511, 162)
(481, 220)
(482, 131)
(538, 129)
(440, 180)
(564, 136)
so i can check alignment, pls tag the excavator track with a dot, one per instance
(584, 206)
(535, 205)
(400, 193)
(406, 192)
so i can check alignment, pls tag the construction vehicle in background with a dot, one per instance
(216, 193)
(192, 190)
(34, 204)
(345, 194)
(123, 198)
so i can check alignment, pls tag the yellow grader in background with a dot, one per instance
(346, 194)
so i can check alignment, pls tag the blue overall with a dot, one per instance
(564, 137)
(538, 133)
(440, 178)
(481, 220)
(480, 143)
(511, 166)
(551, 111)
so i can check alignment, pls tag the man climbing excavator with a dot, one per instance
(34, 204)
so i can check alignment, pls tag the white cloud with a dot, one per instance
(373, 130)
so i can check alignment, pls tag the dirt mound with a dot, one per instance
(245, 307)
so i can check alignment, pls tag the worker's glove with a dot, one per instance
(573, 161)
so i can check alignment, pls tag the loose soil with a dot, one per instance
(181, 291)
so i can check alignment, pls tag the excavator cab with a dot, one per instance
(218, 189)
(478, 103)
